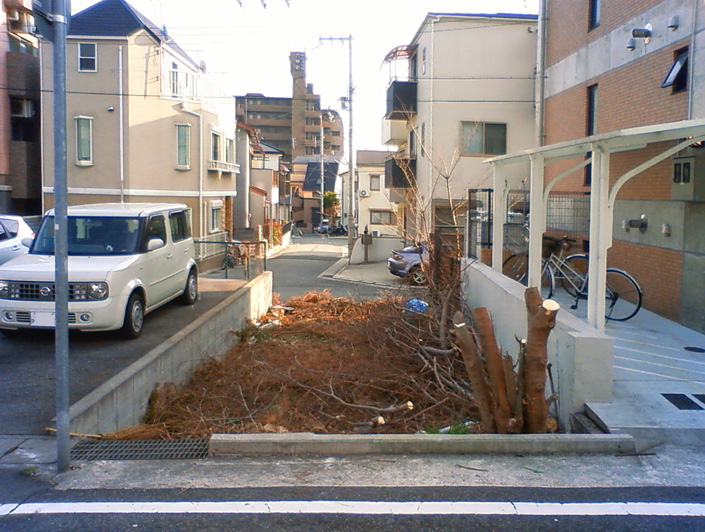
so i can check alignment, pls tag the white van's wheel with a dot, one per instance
(134, 317)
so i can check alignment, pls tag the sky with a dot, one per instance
(246, 45)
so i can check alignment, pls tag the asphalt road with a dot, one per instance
(359, 509)
(27, 385)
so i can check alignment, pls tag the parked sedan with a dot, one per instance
(409, 263)
(13, 230)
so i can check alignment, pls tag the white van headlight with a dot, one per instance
(89, 291)
(4, 289)
(97, 291)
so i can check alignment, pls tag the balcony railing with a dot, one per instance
(401, 100)
(399, 172)
(222, 166)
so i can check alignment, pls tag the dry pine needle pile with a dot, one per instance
(322, 364)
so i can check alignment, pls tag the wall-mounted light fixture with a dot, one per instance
(643, 33)
(673, 23)
(666, 229)
(641, 223)
(111, 109)
(631, 44)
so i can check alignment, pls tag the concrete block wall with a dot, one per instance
(581, 356)
(122, 401)
(379, 251)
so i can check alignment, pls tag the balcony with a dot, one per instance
(394, 132)
(401, 100)
(400, 173)
(222, 166)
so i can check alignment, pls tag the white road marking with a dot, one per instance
(363, 508)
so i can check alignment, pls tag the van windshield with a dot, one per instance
(92, 235)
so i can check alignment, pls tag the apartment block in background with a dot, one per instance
(20, 148)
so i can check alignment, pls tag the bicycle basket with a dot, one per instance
(549, 245)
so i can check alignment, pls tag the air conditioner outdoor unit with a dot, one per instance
(364, 193)
(21, 108)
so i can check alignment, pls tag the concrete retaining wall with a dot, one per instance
(380, 249)
(581, 356)
(122, 401)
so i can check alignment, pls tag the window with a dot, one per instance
(215, 148)
(84, 141)
(216, 216)
(382, 218)
(180, 230)
(174, 80)
(87, 57)
(230, 151)
(594, 13)
(156, 228)
(480, 138)
(677, 77)
(374, 182)
(183, 146)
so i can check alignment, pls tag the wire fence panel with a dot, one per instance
(235, 259)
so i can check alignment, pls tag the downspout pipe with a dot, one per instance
(201, 210)
(121, 127)
(691, 60)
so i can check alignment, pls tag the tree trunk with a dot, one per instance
(541, 317)
(501, 409)
(476, 372)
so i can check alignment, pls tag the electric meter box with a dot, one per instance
(688, 179)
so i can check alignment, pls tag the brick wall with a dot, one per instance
(658, 271)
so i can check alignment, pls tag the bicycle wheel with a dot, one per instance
(515, 267)
(623, 296)
(573, 274)
(548, 281)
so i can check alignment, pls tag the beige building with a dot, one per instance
(466, 92)
(143, 122)
(376, 213)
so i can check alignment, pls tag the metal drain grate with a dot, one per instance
(140, 449)
(682, 401)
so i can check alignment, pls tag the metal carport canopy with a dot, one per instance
(602, 196)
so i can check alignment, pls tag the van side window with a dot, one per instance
(156, 228)
(180, 229)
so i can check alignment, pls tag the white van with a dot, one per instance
(125, 260)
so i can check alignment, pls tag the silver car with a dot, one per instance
(13, 229)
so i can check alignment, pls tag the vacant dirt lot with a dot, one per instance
(323, 364)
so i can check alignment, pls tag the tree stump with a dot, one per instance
(541, 318)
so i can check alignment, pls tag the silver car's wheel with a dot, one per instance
(417, 275)
(134, 317)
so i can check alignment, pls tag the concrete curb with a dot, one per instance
(223, 445)
(334, 270)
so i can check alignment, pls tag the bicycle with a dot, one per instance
(623, 294)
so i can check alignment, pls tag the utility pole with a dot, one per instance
(51, 18)
(323, 175)
(352, 213)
